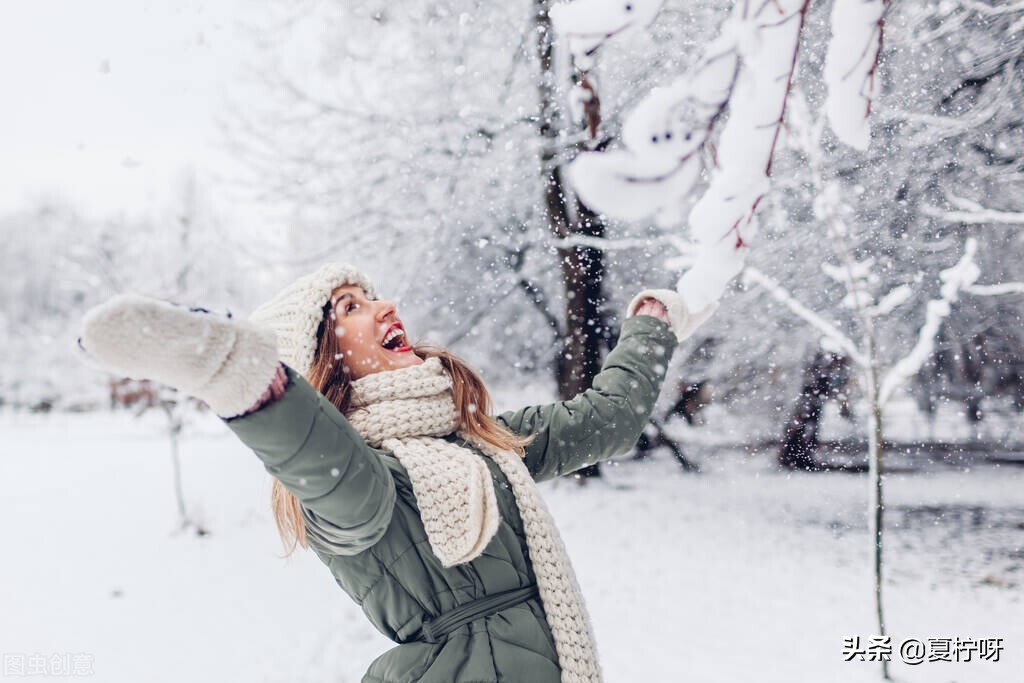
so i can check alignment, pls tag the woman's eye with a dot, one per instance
(349, 307)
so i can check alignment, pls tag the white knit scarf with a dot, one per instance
(405, 411)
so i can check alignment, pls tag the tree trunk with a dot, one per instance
(582, 268)
(174, 409)
(174, 428)
(582, 274)
(824, 377)
(876, 505)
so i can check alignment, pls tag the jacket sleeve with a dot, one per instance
(346, 490)
(606, 419)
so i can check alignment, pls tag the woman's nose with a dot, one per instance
(385, 309)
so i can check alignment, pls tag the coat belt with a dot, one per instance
(435, 630)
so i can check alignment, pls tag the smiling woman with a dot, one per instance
(370, 335)
(389, 465)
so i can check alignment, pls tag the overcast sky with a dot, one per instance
(106, 101)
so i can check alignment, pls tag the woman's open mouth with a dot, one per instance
(394, 340)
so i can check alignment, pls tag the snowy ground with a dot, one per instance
(741, 573)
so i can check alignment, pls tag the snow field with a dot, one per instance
(739, 572)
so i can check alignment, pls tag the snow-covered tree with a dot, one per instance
(674, 138)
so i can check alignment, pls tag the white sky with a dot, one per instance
(106, 101)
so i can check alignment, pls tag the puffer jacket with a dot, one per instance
(366, 527)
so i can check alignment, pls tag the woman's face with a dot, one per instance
(370, 335)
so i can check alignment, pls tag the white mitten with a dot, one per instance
(683, 322)
(226, 362)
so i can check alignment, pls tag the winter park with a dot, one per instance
(521, 342)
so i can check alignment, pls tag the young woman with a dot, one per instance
(388, 463)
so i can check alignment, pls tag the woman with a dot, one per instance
(389, 465)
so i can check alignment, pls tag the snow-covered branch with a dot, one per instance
(935, 127)
(629, 187)
(723, 220)
(851, 68)
(975, 217)
(954, 280)
(587, 24)
(896, 297)
(996, 290)
(748, 68)
(755, 276)
(663, 136)
(578, 240)
(992, 10)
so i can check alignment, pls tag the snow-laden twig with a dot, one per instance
(991, 10)
(663, 136)
(975, 217)
(723, 220)
(622, 185)
(749, 69)
(963, 202)
(954, 280)
(937, 127)
(587, 24)
(849, 274)
(851, 68)
(997, 289)
(896, 297)
(755, 276)
(578, 240)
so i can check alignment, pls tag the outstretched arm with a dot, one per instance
(607, 419)
(308, 445)
(346, 491)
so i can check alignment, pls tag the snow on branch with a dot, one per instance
(954, 280)
(587, 24)
(858, 277)
(935, 128)
(629, 187)
(896, 297)
(749, 69)
(753, 275)
(663, 138)
(996, 290)
(723, 221)
(602, 243)
(851, 68)
(991, 10)
(975, 217)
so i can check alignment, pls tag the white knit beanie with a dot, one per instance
(295, 313)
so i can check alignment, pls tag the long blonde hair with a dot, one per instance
(328, 376)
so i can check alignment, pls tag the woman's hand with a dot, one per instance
(275, 391)
(667, 305)
(654, 308)
(226, 362)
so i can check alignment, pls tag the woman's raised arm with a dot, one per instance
(607, 419)
(345, 489)
(308, 445)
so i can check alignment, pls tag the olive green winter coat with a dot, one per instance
(368, 530)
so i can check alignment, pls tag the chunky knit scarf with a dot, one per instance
(405, 411)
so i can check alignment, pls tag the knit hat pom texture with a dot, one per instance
(296, 311)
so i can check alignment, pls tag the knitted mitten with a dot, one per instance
(226, 362)
(683, 323)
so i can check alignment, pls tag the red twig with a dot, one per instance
(789, 86)
(878, 55)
